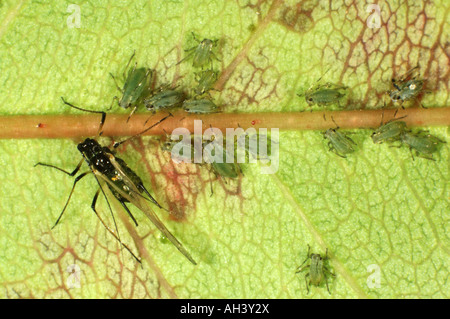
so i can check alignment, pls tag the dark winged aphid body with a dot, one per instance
(317, 270)
(406, 88)
(201, 53)
(339, 142)
(124, 184)
(422, 143)
(135, 86)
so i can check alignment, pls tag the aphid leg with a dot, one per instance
(116, 144)
(215, 57)
(326, 282)
(307, 283)
(94, 201)
(395, 84)
(332, 118)
(337, 153)
(131, 113)
(329, 272)
(112, 102)
(115, 82)
(128, 211)
(77, 179)
(411, 151)
(60, 169)
(299, 268)
(210, 184)
(195, 38)
(128, 64)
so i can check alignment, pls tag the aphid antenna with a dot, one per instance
(102, 121)
(332, 118)
(117, 144)
(128, 64)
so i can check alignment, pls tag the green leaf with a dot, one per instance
(377, 207)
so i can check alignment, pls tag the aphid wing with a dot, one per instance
(134, 197)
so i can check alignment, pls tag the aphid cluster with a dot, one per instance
(406, 88)
(420, 143)
(115, 177)
(137, 88)
(112, 173)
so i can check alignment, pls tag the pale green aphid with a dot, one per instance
(224, 169)
(317, 270)
(391, 131)
(406, 88)
(135, 86)
(324, 94)
(423, 144)
(165, 98)
(206, 80)
(338, 142)
(168, 145)
(202, 53)
(200, 106)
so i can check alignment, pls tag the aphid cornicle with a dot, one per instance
(124, 184)
(406, 88)
(422, 143)
(201, 53)
(391, 131)
(317, 270)
(339, 142)
(135, 86)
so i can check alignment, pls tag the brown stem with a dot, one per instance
(72, 126)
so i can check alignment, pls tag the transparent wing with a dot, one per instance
(135, 197)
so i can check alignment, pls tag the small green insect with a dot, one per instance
(221, 168)
(406, 88)
(200, 106)
(324, 94)
(338, 142)
(202, 53)
(206, 80)
(135, 86)
(165, 98)
(391, 131)
(168, 145)
(424, 145)
(317, 270)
